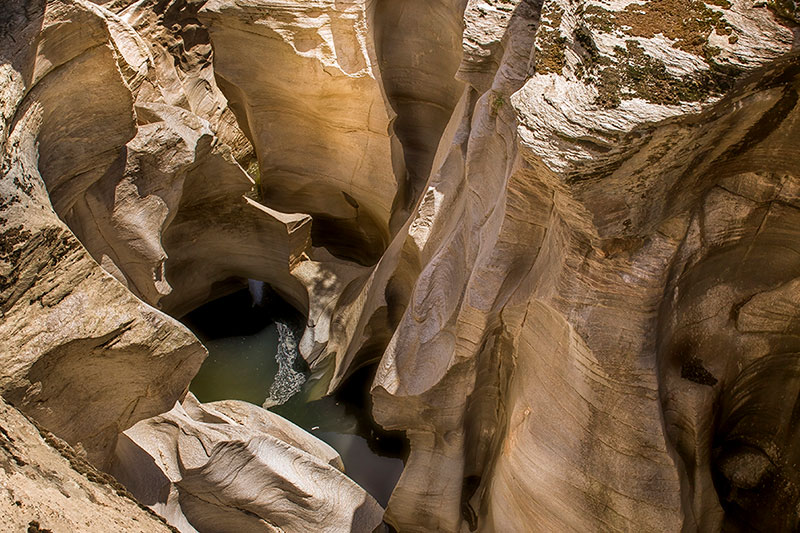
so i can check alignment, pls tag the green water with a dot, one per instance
(237, 368)
(242, 342)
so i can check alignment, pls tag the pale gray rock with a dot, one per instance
(171, 219)
(138, 183)
(180, 56)
(233, 466)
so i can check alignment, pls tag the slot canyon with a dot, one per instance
(399, 266)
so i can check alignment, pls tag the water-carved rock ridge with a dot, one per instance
(566, 235)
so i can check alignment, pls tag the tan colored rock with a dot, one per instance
(45, 485)
(418, 49)
(121, 210)
(526, 369)
(578, 274)
(121, 175)
(80, 353)
(234, 466)
(774, 311)
(181, 58)
(313, 104)
(729, 345)
(173, 223)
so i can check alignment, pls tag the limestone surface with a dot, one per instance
(537, 293)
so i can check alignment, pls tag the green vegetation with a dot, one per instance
(686, 22)
(550, 43)
(255, 172)
(632, 73)
(788, 9)
(496, 102)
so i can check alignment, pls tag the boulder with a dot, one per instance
(231, 465)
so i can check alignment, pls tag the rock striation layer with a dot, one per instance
(320, 150)
(231, 466)
(529, 363)
(564, 232)
(80, 353)
(116, 195)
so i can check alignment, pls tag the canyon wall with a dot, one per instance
(564, 233)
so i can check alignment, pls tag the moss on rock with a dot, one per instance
(632, 73)
(550, 42)
(788, 9)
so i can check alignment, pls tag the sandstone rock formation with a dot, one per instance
(566, 233)
(320, 150)
(46, 486)
(529, 370)
(418, 51)
(232, 466)
(67, 326)
(90, 135)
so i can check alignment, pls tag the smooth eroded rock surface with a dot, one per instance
(565, 232)
(312, 102)
(233, 466)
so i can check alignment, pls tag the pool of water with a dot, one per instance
(242, 342)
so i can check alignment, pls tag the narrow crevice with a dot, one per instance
(418, 45)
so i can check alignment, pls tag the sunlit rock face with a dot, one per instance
(418, 49)
(311, 99)
(233, 466)
(531, 367)
(565, 233)
(80, 352)
(98, 144)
